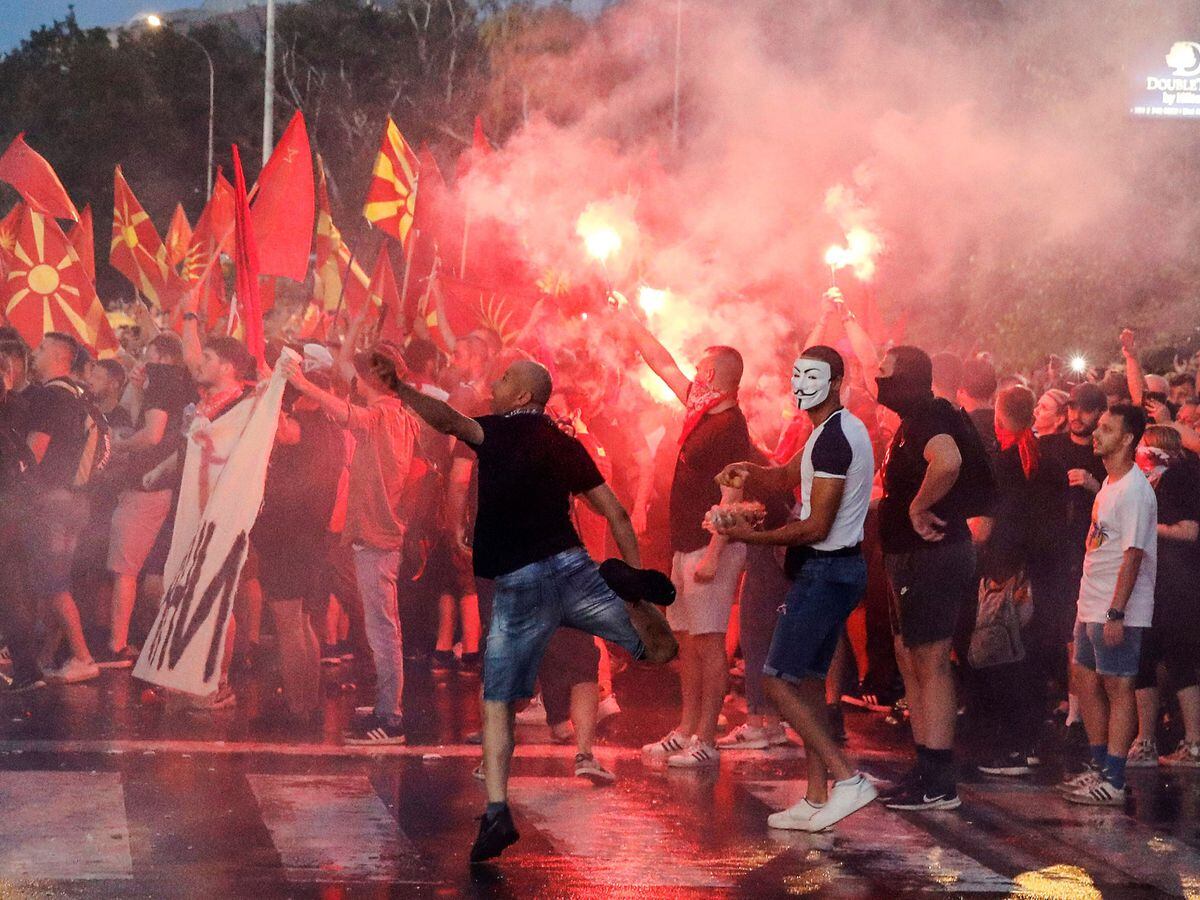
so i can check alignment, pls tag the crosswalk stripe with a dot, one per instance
(617, 832)
(63, 826)
(891, 849)
(334, 828)
(1137, 850)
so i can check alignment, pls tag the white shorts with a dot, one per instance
(704, 608)
(135, 525)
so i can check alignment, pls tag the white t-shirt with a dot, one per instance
(839, 447)
(1124, 516)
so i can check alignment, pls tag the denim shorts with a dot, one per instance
(50, 535)
(1092, 653)
(563, 590)
(825, 592)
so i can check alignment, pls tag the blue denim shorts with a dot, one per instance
(1092, 653)
(563, 590)
(825, 592)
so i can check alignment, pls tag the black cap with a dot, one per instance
(1088, 397)
(632, 584)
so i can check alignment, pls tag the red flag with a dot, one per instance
(283, 205)
(46, 287)
(452, 308)
(8, 227)
(136, 251)
(83, 239)
(179, 237)
(213, 236)
(35, 180)
(392, 194)
(385, 295)
(246, 255)
(334, 260)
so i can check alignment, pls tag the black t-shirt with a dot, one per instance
(984, 421)
(169, 389)
(528, 470)
(302, 479)
(1176, 601)
(716, 442)
(1070, 455)
(55, 409)
(1027, 519)
(904, 471)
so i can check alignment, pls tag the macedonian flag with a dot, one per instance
(47, 289)
(335, 263)
(137, 252)
(392, 194)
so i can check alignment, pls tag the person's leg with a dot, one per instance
(713, 679)
(938, 709)
(910, 677)
(376, 572)
(468, 610)
(802, 705)
(763, 591)
(299, 662)
(1122, 713)
(497, 748)
(123, 598)
(447, 607)
(585, 701)
(1093, 706)
(67, 614)
(689, 685)
(1189, 709)
(248, 607)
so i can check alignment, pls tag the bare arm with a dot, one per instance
(456, 498)
(149, 435)
(1186, 530)
(864, 349)
(944, 462)
(603, 501)
(658, 358)
(824, 501)
(767, 479)
(345, 358)
(1131, 564)
(1134, 376)
(440, 415)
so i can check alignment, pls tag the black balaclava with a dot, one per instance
(909, 385)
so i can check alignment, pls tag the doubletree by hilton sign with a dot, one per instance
(1173, 91)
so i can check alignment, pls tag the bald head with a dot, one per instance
(1157, 384)
(523, 383)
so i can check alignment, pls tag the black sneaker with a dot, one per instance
(495, 833)
(1011, 764)
(373, 731)
(924, 797)
(442, 661)
(116, 659)
(909, 782)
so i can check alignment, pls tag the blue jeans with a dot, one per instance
(825, 592)
(375, 572)
(1093, 653)
(530, 603)
(763, 594)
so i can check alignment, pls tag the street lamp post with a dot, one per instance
(156, 22)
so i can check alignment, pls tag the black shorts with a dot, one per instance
(927, 589)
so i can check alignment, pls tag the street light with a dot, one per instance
(156, 22)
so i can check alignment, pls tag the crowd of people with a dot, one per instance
(1021, 545)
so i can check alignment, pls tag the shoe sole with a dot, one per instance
(751, 745)
(707, 764)
(860, 803)
(1143, 764)
(596, 778)
(476, 861)
(1007, 771)
(926, 807)
(370, 742)
(796, 825)
(1088, 801)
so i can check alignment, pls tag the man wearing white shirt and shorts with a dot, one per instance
(829, 575)
(1116, 606)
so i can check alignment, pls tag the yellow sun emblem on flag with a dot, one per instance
(37, 275)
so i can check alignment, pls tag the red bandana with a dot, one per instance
(1026, 444)
(702, 397)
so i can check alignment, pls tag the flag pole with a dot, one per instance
(342, 293)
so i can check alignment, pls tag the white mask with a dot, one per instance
(811, 380)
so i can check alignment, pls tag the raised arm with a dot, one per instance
(604, 502)
(658, 358)
(1134, 376)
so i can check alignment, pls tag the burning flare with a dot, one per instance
(862, 246)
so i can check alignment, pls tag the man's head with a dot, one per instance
(106, 381)
(905, 379)
(471, 356)
(1117, 434)
(817, 377)
(1084, 408)
(224, 364)
(55, 356)
(524, 383)
(166, 349)
(378, 369)
(978, 383)
(16, 355)
(422, 358)
(1050, 414)
(1182, 388)
(720, 367)
(1014, 409)
(947, 375)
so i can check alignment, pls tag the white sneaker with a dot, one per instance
(1089, 777)
(74, 671)
(696, 755)
(587, 767)
(608, 707)
(744, 737)
(845, 798)
(672, 743)
(533, 714)
(1142, 755)
(778, 736)
(1103, 793)
(794, 818)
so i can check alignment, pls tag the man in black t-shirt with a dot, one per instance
(930, 564)
(524, 539)
(705, 568)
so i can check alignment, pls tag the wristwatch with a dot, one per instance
(1115, 615)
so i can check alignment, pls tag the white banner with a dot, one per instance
(223, 478)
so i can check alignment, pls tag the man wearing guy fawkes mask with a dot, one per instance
(930, 564)
(834, 472)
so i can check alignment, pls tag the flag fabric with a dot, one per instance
(479, 142)
(8, 233)
(201, 269)
(83, 239)
(385, 295)
(283, 206)
(46, 287)
(246, 257)
(450, 309)
(179, 237)
(335, 263)
(224, 474)
(136, 251)
(391, 196)
(35, 180)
